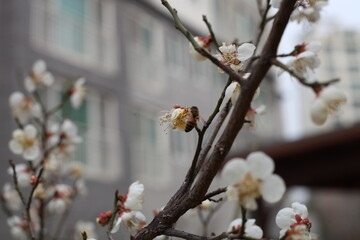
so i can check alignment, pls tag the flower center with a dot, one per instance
(248, 187)
(27, 142)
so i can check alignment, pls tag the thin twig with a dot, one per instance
(114, 212)
(213, 37)
(15, 179)
(214, 193)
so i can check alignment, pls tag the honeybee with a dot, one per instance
(192, 119)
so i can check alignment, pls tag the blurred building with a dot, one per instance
(136, 65)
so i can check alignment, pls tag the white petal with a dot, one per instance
(76, 100)
(135, 197)
(116, 225)
(319, 111)
(39, 67)
(31, 153)
(245, 51)
(331, 94)
(313, 47)
(230, 91)
(253, 231)
(300, 209)
(260, 164)
(272, 188)
(16, 147)
(30, 131)
(48, 78)
(234, 171)
(285, 218)
(232, 193)
(15, 98)
(29, 84)
(80, 82)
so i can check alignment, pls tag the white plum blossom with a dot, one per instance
(18, 227)
(11, 197)
(135, 197)
(251, 230)
(252, 179)
(25, 143)
(304, 62)
(202, 42)
(234, 57)
(177, 117)
(309, 10)
(129, 211)
(23, 108)
(288, 218)
(69, 137)
(23, 174)
(77, 93)
(39, 76)
(61, 198)
(328, 101)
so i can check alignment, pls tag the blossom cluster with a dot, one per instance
(45, 143)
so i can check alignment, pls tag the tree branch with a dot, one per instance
(180, 203)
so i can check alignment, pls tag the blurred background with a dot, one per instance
(137, 65)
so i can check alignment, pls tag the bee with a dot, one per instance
(192, 119)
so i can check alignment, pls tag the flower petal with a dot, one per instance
(39, 66)
(30, 131)
(245, 51)
(116, 225)
(272, 188)
(234, 171)
(16, 147)
(31, 153)
(319, 111)
(253, 231)
(285, 218)
(260, 164)
(300, 209)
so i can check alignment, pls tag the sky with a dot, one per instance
(344, 14)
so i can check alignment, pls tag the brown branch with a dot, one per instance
(301, 79)
(180, 203)
(213, 37)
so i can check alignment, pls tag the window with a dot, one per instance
(79, 31)
(145, 46)
(97, 122)
(150, 150)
